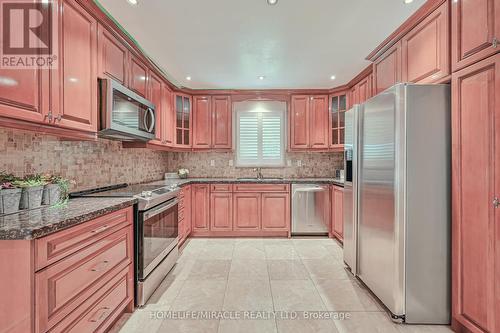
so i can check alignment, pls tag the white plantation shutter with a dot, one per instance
(259, 135)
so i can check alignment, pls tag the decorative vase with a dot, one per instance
(9, 200)
(51, 194)
(31, 197)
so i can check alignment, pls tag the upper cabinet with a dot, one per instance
(299, 122)
(309, 122)
(113, 56)
(425, 49)
(24, 95)
(78, 69)
(212, 122)
(155, 96)
(475, 28)
(222, 122)
(338, 107)
(387, 69)
(167, 117)
(183, 118)
(138, 76)
(202, 116)
(318, 115)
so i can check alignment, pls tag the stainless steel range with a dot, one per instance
(156, 231)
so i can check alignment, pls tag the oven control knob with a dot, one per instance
(146, 194)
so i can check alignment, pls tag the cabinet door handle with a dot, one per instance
(496, 202)
(99, 230)
(49, 116)
(99, 315)
(100, 266)
(59, 118)
(494, 43)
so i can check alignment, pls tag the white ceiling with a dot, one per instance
(227, 44)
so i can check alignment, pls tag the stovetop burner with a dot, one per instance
(147, 195)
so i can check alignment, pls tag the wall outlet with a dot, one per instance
(299, 163)
(289, 163)
(212, 162)
(231, 163)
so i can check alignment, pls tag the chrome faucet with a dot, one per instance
(259, 173)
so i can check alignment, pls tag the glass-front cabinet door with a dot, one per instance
(338, 107)
(183, 120)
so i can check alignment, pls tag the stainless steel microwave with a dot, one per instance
(124, 115)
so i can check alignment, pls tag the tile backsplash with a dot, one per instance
(89, 164)
(105, 162)
(199, 165)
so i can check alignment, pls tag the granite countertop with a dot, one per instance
(37, 223)
(180, 182)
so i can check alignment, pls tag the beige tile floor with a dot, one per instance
(265, 275)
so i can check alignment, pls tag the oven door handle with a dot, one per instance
(160, 209)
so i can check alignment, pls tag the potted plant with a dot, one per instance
(31, 196)
(56, 189)
(10, 195)
(183, 173)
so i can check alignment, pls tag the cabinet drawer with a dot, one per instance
(221, 187)
(54, 247)
(63, 286)
(101, 309)
(261, 188)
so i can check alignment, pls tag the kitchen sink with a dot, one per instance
(255, 179)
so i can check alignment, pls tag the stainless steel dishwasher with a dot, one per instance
(310, 209)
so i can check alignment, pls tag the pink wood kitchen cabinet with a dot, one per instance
(138, 75)
(475, 31)
(475, 184)
(185, 214)
(113, 55)
(337, 214)
(387, 69)
(212, 122)
(80, 278)
(221, 211)
(247, 211)
(309, 122)
(275, 211)
(155, 95)
(200, 207)
(202, 119)
(78, 107)
(425, 49)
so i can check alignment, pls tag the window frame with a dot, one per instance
(282, 112)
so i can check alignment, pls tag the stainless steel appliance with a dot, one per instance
(310, 209)
(404, 201)
(156, 232)
(124, 115)
(351, 162)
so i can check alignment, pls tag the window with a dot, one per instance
(260, 138)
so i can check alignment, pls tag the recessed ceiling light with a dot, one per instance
(408, 1)
(132, 2)
(272, 2)
(262, 77)
(188, 78)
(332, 77)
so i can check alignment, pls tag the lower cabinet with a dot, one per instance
(184, 214)
(80, 279)
(221, 211)
(200, 207)
(275, 211)
(247, 211)
(337, 214)
(241, 210)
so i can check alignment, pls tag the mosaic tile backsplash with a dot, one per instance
(89, 164)
(105, 162)
(199, 165)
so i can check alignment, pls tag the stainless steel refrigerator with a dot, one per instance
(401, 197)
